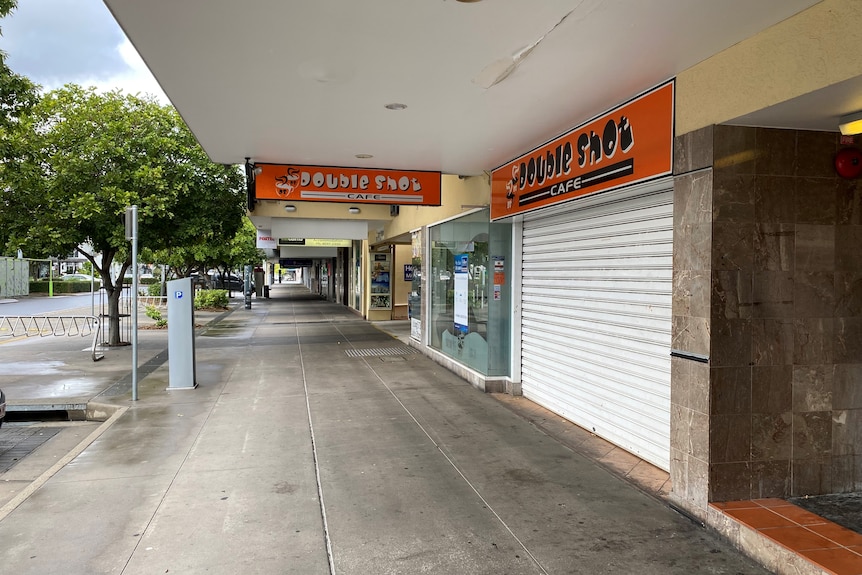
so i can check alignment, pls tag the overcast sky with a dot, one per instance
(57, 42)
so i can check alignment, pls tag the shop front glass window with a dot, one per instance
(414, 298)
(469, 301)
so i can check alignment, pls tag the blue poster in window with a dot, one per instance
(462, 278)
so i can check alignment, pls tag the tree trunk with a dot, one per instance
(113, 289)
(114, 316)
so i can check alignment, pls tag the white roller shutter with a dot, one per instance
(596, 315)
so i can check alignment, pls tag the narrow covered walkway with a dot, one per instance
(316, 443)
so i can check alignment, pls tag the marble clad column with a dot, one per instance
(768, 286)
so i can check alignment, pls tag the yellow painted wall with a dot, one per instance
(816, 48)
(457, 196)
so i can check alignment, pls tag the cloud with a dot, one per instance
(134, 79)
(58, 42)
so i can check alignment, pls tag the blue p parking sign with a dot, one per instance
(178, 295)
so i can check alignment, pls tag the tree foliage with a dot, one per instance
(79, 158)
(212, 253)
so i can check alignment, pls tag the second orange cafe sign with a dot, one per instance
(632, 143)
(354, 185)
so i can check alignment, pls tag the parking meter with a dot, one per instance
(246, 286)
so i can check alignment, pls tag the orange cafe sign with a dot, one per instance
(353, 185)
(632, 143)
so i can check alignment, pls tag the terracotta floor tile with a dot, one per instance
(839, 561)
(798, 538)
(772, 502)
(760, 518)
(735, 505)
(799, 515)
(838, 534)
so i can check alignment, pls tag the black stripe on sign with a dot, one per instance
(594, 178)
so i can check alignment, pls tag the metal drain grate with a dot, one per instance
(378, 351)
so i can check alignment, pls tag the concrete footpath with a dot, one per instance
(315, 443)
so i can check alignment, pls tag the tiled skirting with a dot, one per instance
(788, 539)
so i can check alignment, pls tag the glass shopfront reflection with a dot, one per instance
(470, 284)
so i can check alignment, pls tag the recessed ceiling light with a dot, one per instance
(364, 156)
(468, 1)
(395, 106)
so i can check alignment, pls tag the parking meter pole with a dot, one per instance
(246, 287)
(132, 234)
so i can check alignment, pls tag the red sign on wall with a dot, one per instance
(632, 143)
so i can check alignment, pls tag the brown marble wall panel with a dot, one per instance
(848, 294)
(850, 202)
(690, 334)
(689, 432)
(847, 432)
(782, 324)
(734, 149)
(810, 477)
(732, 246)
(729, 438)
(692, 247)
(814, 294)
(848, 248)
(693, 151)
(772, 294)
(815, 248)
(680, 376)
(848, 340)
(814, 153)
(816, 200)
(692, 389)
(846, 474)
(812, 388)
(776, 152)
(730, 342)
(678, 475)
(731, 294)
(772, 389)
(691, 292)
(847, 386)
(733, 197)
(771, 436)
(812, 434)
(812, 341)
(770, 479)
(774, 247)
(679, 417)
(774, 199)
(772, 341)
(692, 199)
(689, 477)
(729, 481)
(730, 391)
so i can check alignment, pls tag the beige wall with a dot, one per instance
(458, 195)
(816, 48)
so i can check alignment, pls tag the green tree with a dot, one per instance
(240, 251)
(212, 253)
(18, 94)
(81, 157)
